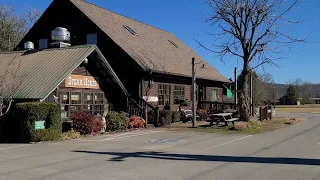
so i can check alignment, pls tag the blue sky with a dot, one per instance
(184, 18)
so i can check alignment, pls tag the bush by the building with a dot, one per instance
(82, 122)
(97, 124)
(116, 121)
(26, 114)
(175, 116)
(165, 117)
(136, 122)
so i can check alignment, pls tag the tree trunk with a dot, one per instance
(244, 100)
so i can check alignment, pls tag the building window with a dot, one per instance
(87, 98)
(76, 101)
(92, 39)
(98, 98)
(214, 93)
(178, 93)
(164, 92)
(43, 43)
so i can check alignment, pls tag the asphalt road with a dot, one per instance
(289, 153)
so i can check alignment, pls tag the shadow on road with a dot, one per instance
(121, 156)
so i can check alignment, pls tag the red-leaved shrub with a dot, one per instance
(82, 122)
(136, 122)
(97, 125)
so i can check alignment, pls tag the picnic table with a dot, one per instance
(222, 117)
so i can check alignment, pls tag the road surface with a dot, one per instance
(289, 153)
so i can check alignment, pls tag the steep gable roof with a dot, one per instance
(35, 74)
(151, 47)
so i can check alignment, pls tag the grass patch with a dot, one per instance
(254, 127)
(308, 108)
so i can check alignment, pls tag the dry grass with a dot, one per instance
(253, 127)
(309, 108)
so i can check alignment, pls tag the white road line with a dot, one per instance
(10, 147)
(218, 145)
(132, 135)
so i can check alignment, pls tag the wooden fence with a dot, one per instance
(265, 112)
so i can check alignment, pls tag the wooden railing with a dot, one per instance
(210, 105)
(141, 107)
(265, 112)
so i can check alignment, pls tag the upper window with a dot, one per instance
(178, 93)
(92, 39)
(130, 30)
(173, 43)
(164, 92)
(43, 43)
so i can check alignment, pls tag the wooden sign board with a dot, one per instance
(77, 81)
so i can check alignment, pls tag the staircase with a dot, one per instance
(140, 107)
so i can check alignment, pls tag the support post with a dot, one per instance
(235, 87)
(193, 93)
(251, 95)
(274, 97)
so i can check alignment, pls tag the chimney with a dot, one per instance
(60, 38)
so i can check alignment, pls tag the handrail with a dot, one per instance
(149, 105)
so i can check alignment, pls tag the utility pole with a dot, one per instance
(235, 86)
(193, 93)
(251, 95)
(274, 97)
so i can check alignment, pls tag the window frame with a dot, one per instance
(95, 106)
(216, 95)
(164, 94)
(181, 90)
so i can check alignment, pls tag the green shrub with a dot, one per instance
(175, 116)
(165, 117)
(27, 113)
(82, 122)
(116, 121)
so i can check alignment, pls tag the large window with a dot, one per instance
(92, 39)
(164, 92)
(214, 94)
(75, 101)
(43, 43)
(178, 93)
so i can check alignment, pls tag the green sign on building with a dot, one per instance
(40, 125)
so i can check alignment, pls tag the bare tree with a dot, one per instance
(252, 30)
(263, 89)
(13, 26)
(10, 82)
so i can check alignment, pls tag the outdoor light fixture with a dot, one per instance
(85, 61)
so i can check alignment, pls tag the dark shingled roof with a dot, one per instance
(35, 74)
(151, 47)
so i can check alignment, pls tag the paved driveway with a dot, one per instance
(289, 153)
